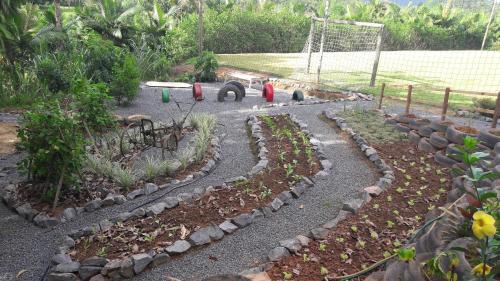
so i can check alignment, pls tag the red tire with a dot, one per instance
(197, 93)
(268, 92)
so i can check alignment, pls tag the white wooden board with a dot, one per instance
(168, 84)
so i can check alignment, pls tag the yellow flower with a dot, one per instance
(483, 225)
(478, 270)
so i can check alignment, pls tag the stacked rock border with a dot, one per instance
(97, 268)
(290, 246)
(41, 219)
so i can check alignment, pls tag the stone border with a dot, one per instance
(65, 269)
(42, 220)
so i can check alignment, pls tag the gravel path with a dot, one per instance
(26, 247)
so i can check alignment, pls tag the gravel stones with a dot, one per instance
(228, 227)
(141, 261)
(62, 277)
(179, 247)
(278, 254)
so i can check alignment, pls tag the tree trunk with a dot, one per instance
(59, 186)
(57, 5)
(200, 27)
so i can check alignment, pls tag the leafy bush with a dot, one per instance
(54, 143)
(49, 72)
(100, 57)
(153, 63)
(90, 100)
(125, 84)
(205, 67)
(486, 103)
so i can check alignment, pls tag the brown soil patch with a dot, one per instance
(380, 226)
(141, 235)
(8, 138)
(326, 95)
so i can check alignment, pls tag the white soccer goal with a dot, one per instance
(342, 53)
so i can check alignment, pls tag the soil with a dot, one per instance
(467, 130)
(327, 95)
(221, 204)
(95, 186)
(381, 226)
(8, 138)
(496, 133)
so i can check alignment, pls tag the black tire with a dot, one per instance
(444, 160)
(455, 136)
(425, 146)
(415, 124)
(438, 140)
(402, 128)
(440, 126)
(239, 85)
(452, 151)
(489, 139)
(425, 131)
(414, 137)
(298, 95)
(223, 93)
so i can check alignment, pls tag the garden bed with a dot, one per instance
(120, 167)
(178, 223)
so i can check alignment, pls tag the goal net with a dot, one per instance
(340, 53)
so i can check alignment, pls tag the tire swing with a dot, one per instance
(228, 88)
(197, 93)
(239, 85)
(298, 95)
(165, 95)
(268, 92)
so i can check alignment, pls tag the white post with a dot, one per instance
(377, 56)
(489, 24)
(311, 41)
(325, 25)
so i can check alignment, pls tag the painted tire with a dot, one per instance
(268, 88)
(298, 95)
(223, 93)
(165, 95)
(197, 93)
(270, 94)
(239, 85)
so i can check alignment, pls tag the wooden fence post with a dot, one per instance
(408, 99)
(377, 57)
(310, 47)
(497, 112)
(445, 103)
(381, 96)
(322, 44)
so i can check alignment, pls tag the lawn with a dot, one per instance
(425, 70)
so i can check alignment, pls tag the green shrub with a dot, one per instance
(205, 67)
(90, 100)
(54, 143)
(100, 58)
(153, 63)
(51, 74)
(125, 84)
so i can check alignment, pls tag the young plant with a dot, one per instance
(124, 177)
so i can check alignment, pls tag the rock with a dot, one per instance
(127, 268)
(171, 202)
(293, 245)
(384, 183)
(156, 209)
(236, 180)
(26, 211)
(373, 190)
(135, 193)
(327, 165)
(98, 277)
(160, 259)
(260, 276)
(304, 240)
(319, 233)
(122, 216)
(141, 261)
(352, 205)
(298, 190)
(214, 232)
(68, 242)
(497, 148)
(62, 277)
(111, 266)
(108, 201)
(86, 272)
(93, 205)
(228, 227)
(242, 220)
(276, 204)
(200, 237)
(69, 214)
(267, 211)
(69, 267)
(370, 151)
(179, 247)
(45, 221)
(333, 223)
(256, 214)
(95, 261)
(61, 258)
(278, 254)
(119, 199)
(185, 197)
(285, 197)
(425, 146)
(105, 225)
(150, 188)
(138, 213)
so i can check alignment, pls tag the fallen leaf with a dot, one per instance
(301, 206)
(21, 272)
(184, 232)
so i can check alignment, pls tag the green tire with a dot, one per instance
(165, 96)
